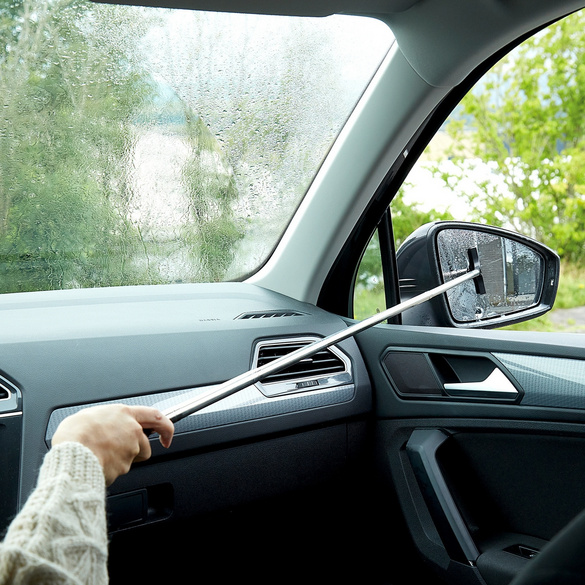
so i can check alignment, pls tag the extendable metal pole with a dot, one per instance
(187, 407)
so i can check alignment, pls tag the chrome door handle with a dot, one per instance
(496, 385)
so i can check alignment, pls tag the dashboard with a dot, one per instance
(65, 350)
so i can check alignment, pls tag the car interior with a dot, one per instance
(430, 446)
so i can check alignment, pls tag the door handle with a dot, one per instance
(496, 385)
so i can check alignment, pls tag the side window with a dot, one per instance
(512, 154)
(407, 213)
(369, 289)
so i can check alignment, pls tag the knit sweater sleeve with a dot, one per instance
(60, 535)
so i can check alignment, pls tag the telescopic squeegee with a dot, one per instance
(189, 406)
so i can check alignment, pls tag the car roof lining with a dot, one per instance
(277, 7)
(441, 40)
(444, 43)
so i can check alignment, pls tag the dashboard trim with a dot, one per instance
(247, 405)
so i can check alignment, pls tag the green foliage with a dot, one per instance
(405, 219)
(526, 120)
(571, 292)
(369, 292)
(73, 106)
(61, 196)
(542, 324)
(368, 302)
(211, 190)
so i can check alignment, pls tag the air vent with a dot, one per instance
(9, 396)
(309, 372)
(269, 314)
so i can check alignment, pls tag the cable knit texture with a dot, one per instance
(60, 536)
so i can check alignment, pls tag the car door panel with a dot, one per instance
(484, 479)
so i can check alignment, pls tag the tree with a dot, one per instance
(526, 121)
(64, 128)
(406, 217)
(211, 190)
(273, 98)
(74, 109)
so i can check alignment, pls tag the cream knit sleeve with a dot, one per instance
(60, 536)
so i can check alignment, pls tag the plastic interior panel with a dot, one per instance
(375, 342)
(10, 441)
(515, 484)
(146, 344)
(553, 382)
(422, 448)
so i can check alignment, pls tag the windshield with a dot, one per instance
(144, 146)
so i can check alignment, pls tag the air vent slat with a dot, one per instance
(268, 314)
(323, 363)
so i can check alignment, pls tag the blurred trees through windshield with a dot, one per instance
(144, 145)
(71, 105)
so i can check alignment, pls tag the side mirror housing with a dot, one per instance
(519, 275)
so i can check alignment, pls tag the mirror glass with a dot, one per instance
(512, 274)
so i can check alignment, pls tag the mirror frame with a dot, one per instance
(419, 271)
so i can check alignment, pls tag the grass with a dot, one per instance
(368, 301)
(571, 291)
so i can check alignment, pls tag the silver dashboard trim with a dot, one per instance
(323, 381)
(11, 403)
(246, 405)
(10, 414)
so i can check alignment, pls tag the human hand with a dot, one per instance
(114, 432)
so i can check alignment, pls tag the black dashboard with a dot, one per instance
(65, 350)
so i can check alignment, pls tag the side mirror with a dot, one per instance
(520, 275)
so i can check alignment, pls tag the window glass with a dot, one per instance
(512, 154)
(143, 146)
(369, 297)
